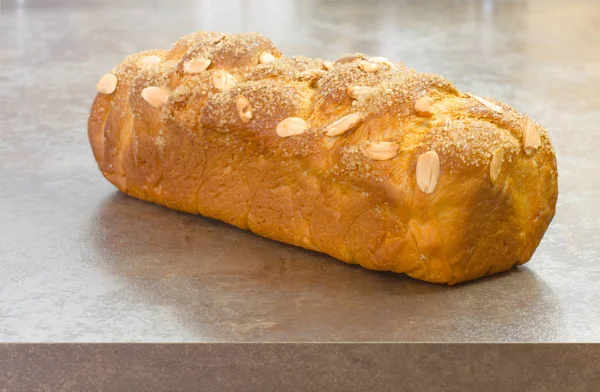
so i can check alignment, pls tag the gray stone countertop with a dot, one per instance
(80, 262)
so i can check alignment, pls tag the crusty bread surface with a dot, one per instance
(363, 159)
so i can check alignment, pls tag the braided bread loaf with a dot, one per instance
(363, 159)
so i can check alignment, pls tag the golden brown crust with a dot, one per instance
(346, 188)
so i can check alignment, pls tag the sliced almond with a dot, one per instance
(531, 139)
(428, 171)
(351, 58)
(196, 66)
(223, 80)
(343, 125)
(368, 66)
(381, 151)
(157, 97)
(149, 60)
(244, 108)
(312, 73)
(423, 106)
(328, 65)
(490, 105)
(265, 58)
(107, 84)
(382, 60)
(356, 92)
(218, 38)
(291, 126)
(496, 165)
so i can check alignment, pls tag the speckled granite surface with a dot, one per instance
(80, 262)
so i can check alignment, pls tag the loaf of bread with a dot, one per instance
(363, 159)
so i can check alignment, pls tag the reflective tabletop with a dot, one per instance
(81, 262)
